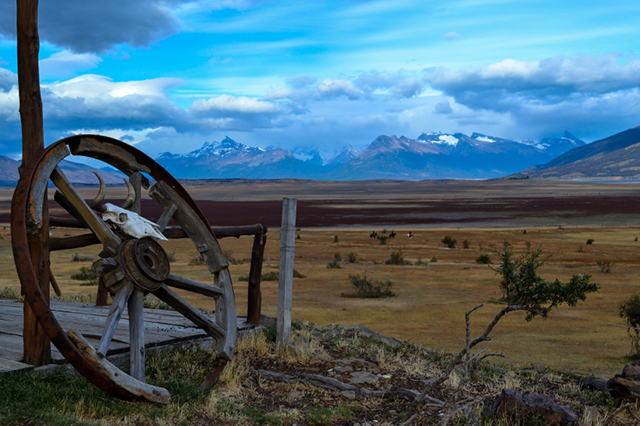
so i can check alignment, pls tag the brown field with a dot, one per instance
(431, 300)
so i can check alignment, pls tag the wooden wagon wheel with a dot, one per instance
(130, 266)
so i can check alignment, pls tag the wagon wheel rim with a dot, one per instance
(138, 278)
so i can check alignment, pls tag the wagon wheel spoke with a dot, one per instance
(193, 286)
(78, 208)
(117, 307)
(136, 334)
(172, 299)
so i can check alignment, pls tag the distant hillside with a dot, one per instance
(76, 173)
(615, 157)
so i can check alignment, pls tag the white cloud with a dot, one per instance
(225, 105)
(96, 86)
(584, 93)
(451, 36)
(65, 63)
(331, 88)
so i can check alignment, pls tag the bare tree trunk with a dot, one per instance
(37, 347)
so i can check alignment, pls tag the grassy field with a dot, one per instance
(433, 292)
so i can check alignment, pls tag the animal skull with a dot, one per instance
(131, 223)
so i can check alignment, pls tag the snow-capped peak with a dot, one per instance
(220, 149)
(482, 138)
(439, 138)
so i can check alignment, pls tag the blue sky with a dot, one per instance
(171, 75)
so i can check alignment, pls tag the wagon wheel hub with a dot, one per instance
(144, 262)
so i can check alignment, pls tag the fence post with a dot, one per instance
(287, 242)
(254, 299)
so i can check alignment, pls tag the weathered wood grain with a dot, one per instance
(161, 327)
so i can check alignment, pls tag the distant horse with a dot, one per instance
(410, 235)
(392, 234)
(374, 234)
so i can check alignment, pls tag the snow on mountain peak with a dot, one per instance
(438, 138)
(447, 140)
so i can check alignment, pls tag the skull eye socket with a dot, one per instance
(122, 217)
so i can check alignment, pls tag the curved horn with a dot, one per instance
(97, 204)
(131, 195)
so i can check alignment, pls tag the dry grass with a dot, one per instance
(430, 306)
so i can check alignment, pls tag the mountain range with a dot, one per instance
(430, 156)
(75, 172)
(614, 157)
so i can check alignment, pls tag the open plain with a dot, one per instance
(434, 291)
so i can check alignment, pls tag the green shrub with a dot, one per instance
(590, 241)
(87, 274)
(484, 259)
(383, 239)
(630, 312)
(605, 267)
(449, 242)
(75, 257)
(466, 244)
(271, 276)
(367, 289)
(352, 257)
(336, 258)
(10, 293)
(396, 258)
(522, 286)
(434, 259)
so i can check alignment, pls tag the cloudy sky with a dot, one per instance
(323, 74)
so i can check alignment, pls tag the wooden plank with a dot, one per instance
(166, 327)
(287, 243)
(11, 365)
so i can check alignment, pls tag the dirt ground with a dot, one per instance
(494, 203)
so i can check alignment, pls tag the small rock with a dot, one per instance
(322, 356)
(631, 372)
(386, 376)
(361, 377)
(294, 395)
(341, 369)
(349, 394)
(594, 384)
(532, 404)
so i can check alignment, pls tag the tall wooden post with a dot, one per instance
(285, 293)
(37, 347)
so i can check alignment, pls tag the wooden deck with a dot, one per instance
(162, 328)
